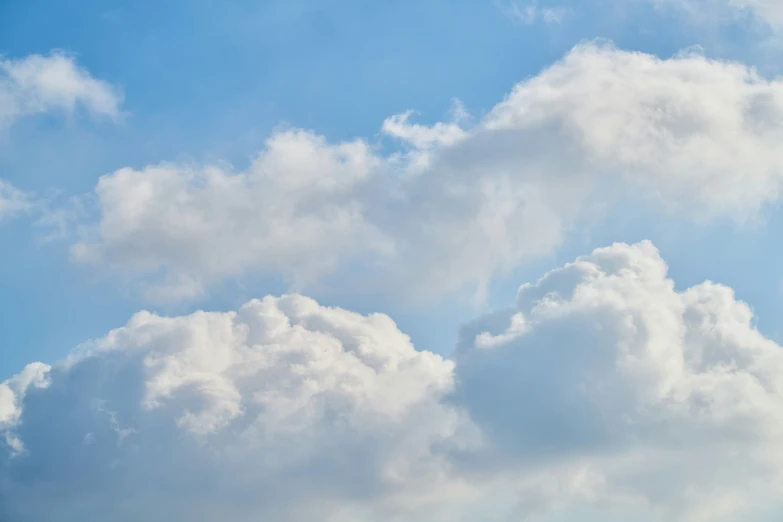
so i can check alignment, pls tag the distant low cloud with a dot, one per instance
(37, 84)
(531, 13)
(464, 201)
(12, 201)
(769, 12)
(603, 385)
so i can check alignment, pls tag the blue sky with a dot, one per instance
(203, 83)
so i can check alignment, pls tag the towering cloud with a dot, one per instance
(606, 384)
(283, 410)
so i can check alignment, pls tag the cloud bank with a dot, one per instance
(462, 202)
(603, 385)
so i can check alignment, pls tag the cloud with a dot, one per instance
(282, 410)
(531, 13)
(299, 209)
(12, 201)
(767, 12)
(12, 394)
(37, 84)
(770, 10)
(604, 384)
(462, 202)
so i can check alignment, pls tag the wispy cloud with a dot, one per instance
(531, 13)
(37, 84)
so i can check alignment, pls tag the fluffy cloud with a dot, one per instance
(283, 410)
(605, 384)
(462, 202)
(37, 84)
(300, 207)
(12, 394)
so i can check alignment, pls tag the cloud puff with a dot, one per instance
(37, 84)
(606, 384)
(462, 202)
(298, 210)
(282, 410)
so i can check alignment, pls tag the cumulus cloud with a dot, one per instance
(603, 385)
(282, 410)
(299, 209)
(37, 84)
(463, 201)
(606, 384)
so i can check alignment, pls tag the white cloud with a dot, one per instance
(604, 384)
(12, 394)
(283, 410)
(465, 202)
(37, 84)
(299, 209)
(696, 131)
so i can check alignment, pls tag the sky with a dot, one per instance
(495, 260)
